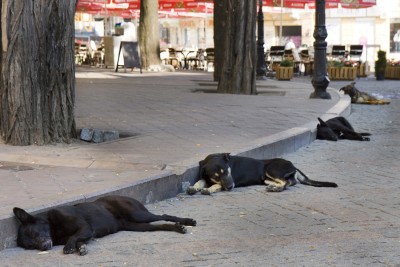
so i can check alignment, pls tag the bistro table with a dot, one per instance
(186, 54)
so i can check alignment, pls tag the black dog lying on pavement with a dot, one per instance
(224, 172)
(338, 128)
(72, 226)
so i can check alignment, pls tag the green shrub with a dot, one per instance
(286, 63)
(380, 64)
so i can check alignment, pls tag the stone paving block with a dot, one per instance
(98, 136)
(86, 134)
(110, 135)
(353, 225)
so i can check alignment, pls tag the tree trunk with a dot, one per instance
(37, 85)
(238, 70)
(149, 33)
(220, 19)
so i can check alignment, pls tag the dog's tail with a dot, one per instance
(308, 181)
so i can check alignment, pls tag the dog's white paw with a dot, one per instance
(273, 188)
(191, 190)
(82, 249)
(205, 191)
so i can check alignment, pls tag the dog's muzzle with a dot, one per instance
(227, 181)
(229, 187)
(45, 245)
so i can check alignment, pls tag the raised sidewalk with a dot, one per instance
(168, 121)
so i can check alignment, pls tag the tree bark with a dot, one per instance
(37, 83)
(220, 19)
(149, 33)
(238, 70)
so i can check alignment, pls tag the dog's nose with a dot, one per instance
(47, 245)
(230, 187)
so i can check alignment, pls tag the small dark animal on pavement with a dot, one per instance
(73, 226)
(358, 97)
(222, 171)
(338, 128)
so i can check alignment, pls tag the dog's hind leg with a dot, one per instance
(198, 186)
(147, 227)
(345, 122)
(353, 136)
(365, 134)
(148, 217)
(275, 184)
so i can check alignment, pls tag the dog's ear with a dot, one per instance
(201, 169)
(201, 163)
(227, 157)
(353, 90)
(201, 173)
(322, 123)
(23, 216)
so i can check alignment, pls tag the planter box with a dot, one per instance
(392, 72)
(284, 73)
(363, 70)
(343, 73)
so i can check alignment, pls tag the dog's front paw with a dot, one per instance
(366, 139)
(82, 249)
(205, 191)
(191, 190)
(69, 248)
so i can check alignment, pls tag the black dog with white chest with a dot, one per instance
(73, 226)
(224, 172)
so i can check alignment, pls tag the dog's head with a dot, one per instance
(349, 89)
(215, 169)
(34, 232)
(324, 132)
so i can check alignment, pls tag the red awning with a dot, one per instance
(126, 8)
(328, 3)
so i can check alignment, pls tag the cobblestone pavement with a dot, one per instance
(357, 224)
(172, 129)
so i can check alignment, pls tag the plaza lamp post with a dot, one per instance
(261, 67)
(320, 80)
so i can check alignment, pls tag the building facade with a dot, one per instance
(375, 28)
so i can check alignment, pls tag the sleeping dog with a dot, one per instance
(224, 172)
(358, 97)
(72, 226)
(338, 128)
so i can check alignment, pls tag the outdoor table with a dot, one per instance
(185, 54)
